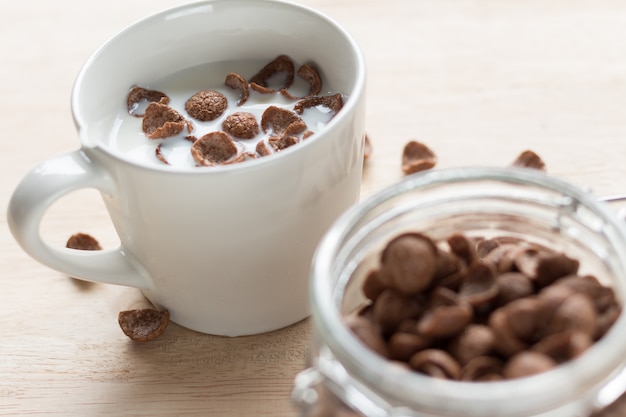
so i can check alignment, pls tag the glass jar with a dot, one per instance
(346, 378)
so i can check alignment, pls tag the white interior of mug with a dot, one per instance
(478, 202)
(204, 32)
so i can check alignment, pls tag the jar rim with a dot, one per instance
(545, 389)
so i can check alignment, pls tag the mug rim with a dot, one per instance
(355, 95)
(399, 383)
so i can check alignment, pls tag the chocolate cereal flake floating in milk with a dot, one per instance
(266, 118)
(160, 121)
(138, 95)
(312, 77)
(241, 125)
(281, 122)
(281, 64)
(206, 105)
(236, 81)
(214, 148)
(334, 103)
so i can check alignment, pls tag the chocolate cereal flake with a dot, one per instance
(417, 157)
(263, 90)
(206, 105)
(483, 368)
(241, 125)
(367, 332)
(310, 75)
(283, 142)
(529, 159)
(159, 154)
(247, 156)
(263, 149)
(214, 148)
(83, 241)
(436, 363)
(161, 121)
(334, 103)
(281, 121)
(237, 82)
(527, 363)
(367, 147)
(282, 63)
(138, 94)
(143, 325)
(408, 263)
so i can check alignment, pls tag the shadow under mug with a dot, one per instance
(227, 250)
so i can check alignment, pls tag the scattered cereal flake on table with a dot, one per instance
(83, 241)
(367, 147)
(529, 159)
(416, 157)
(143, 325)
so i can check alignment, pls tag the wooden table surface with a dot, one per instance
(478, 81)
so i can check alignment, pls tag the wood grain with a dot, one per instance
(478, 81)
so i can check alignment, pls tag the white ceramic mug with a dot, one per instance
(227, 250)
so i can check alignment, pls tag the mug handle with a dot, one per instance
(45, 184)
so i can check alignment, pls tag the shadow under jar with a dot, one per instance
(347, 378)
